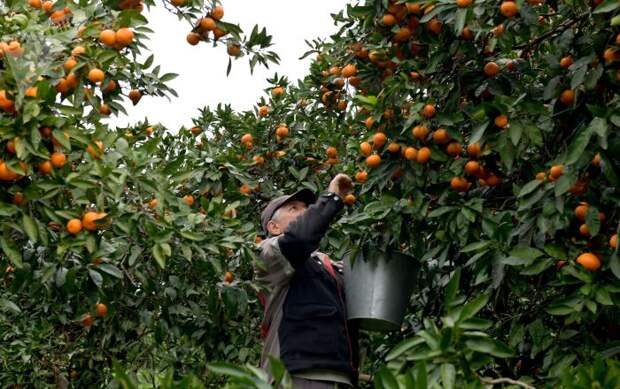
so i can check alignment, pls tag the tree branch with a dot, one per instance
(503, 380)
(527, 47)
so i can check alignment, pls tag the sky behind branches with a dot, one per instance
(202, 77)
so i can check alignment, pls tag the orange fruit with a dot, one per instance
(31, 91)
(245, 189)
(259, 159)
(365, 148)
(556, 171)
(459, 184)
(96, 75)
(434, 26)
(217, 13)
(565, 62)
(263, 110)
(596, 161)
(373, 160)
(148, 131)
(193, 38)
(101, 309)
(472, 168)
(428, 111)
(413, 8)
(467, 34)
(90, 218)
(394, 147)
(581, 210)
(349, 71)
(153, 203)
(589, 261)
(420, 132)
(78, 50)
(18, 198)
(177, 3)
(58, 159)
(402, 35)
(34, 3)
(92, 151)
(411, 154)
(45, 167)
(613, 241)
(584, 230)
(349, 199)
(388, 20)
(69, 64)
(188, 199)
(233, 49)
(440, 136)
(87, 320)
(540, 176)
(491, 69)
(207, 24)
(473, 149)
(218, 33)
(228, 277)
(498, 30)
(493, 180)
(378, 140)
(124, 36)
(509, 9)
(74, 226)
(369, 122)
(334, 71)
(277, 91)
(47, 6)
(567, 97)
(104, 109)
(282, 131)
(610, 55)
(464, 3)
(454, 149)
(10, 147)
(501, 121)
(331, 152)
(424, 154)
(247, 138)
(361, 176)
(107, 37)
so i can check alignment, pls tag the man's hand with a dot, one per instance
(342, 185)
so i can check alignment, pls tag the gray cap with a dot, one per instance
(305, 195)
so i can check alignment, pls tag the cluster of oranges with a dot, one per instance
(207, 25)
(88, 320)
(90, 221)
(13, 48)
(119, 39)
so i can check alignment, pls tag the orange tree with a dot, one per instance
(483, 136)
(106, 254)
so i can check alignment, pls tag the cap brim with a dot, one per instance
(305, 195)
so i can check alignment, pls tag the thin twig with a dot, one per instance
(504, 380)
(527, 47)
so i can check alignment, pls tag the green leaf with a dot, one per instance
(403, 347)
(111, 270)
(592, 221)
(526, 252)
(441, 211)
(476, 246)
(8, 305)
(529, 188)
(614, 264)
(448, 375)
(452, 287)
(96, 277)
(461, 17)
(478, 132)
(11, 251)
(489, 346)
(158, 254)
(470, 309)
(606, 6)
(30, 227)
(562, 185)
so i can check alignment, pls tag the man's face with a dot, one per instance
(285, 215)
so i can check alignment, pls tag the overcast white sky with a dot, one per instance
(202, 77)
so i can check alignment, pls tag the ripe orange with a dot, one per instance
(153, 203)
(188, 199)
(420, 132)
(34, 3)
(365, 148)
(540, 176)
(424, 154)
(124, 36)
(402, 35)
(334, 71)
(45, 167)
(104, 109)
(148, 131)
(282, 131)
(263, 110)
(107, 37)
(361, 176)
(96, 75)
(87, 320)
(228, 277)
(277, 91)
(217, 13)
(58, 159)
(556, 171)
(414, 8)
(610, 55)
(18, 198)
(589, 261)
(101, 309)
(613, 241)
(10, 147)
(467, 34)
(567, 97)
(596, 161)
(434, 26)
(331, 152)
(493, 180)
(177, 3)
(259, 159)
(394, 147)
(373, 160)
(218, 33)
(90, 218)
(193, 38)
(584, 230)
(233, 49)
(31, 91)
(245, 189)
(92, 151)
(369, 122)
(389, 20)
(428, 111)
(74, 226)
(472, 168)
(454, 149)
(247, 138)
(349, 199)
(411, 154)
(207, 24)
(473, 149)
(378, 140)
(581, 210)
(501, 121)
(69, 64)
(459, 184)
(464, 3)
(440, 136)
(349, 71)
(509, 9)
(565, 62)
(491, 69)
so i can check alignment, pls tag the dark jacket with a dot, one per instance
(313, 331)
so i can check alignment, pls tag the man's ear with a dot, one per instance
(273, 228)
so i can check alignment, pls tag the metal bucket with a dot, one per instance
(378, 286)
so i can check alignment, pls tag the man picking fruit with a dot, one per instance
(305, 322)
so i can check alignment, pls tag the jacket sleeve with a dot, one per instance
(302, 236)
